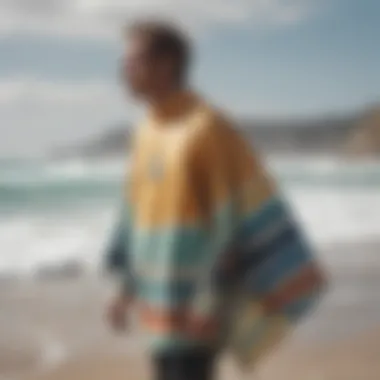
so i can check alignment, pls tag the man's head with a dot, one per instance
(156, 60)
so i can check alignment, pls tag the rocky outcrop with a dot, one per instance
(351, 135)
(365, 138)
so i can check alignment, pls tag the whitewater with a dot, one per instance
(57, 214)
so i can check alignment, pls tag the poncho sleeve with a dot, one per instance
(118, 257)
(279, 277)
(257, 246)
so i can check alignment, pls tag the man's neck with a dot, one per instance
(169, 103)
(160, 97)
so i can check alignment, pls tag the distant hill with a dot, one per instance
(324, 135)
(347, 134)
(365, 138)
(114, 142)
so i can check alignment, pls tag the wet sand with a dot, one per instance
(53, 329)
(354, 359)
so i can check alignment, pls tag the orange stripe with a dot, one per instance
(298, 286)
(154, 316)
(179, 321)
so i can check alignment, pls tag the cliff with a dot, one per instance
(365, 138)
(354, 134)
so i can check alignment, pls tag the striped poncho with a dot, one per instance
(203, 230)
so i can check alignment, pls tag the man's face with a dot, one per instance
(139, 69)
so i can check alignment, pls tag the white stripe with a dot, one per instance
(167, 273)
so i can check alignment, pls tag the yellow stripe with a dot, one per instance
(256, 193)
(273, 335)
(201, 163)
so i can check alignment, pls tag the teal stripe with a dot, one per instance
(185, 246)
(271, 211)
(117, 255)
(280, 266)
(165, 294)
(174, 247)
(225, 221)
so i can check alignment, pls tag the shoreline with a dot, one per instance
(52, 328)
(355, 358)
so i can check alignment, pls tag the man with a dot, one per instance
(200, 220)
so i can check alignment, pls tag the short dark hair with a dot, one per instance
(166, 40)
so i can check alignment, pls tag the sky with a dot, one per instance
(256, 58)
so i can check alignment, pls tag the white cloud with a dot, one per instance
(37, 114)
(104, 18)
(16, 90)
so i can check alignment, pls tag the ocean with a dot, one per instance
(55, 219)
(56, 215)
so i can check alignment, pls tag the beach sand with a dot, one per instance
(53, 329)
(356, 358)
